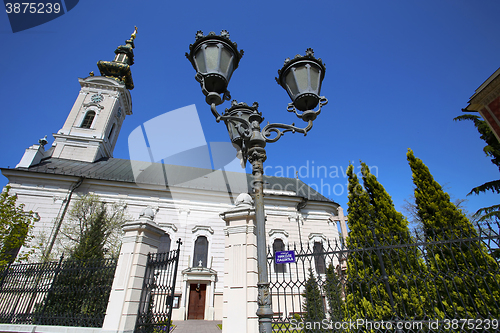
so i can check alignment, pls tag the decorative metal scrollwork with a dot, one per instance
(211, 96)
(270, 128)
(310, 114)
(245, 127)
(263, 297)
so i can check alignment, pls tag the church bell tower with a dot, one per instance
(92, 127)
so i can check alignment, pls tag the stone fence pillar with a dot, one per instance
(240, 268)
(141, 237)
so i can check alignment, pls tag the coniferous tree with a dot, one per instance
(361, 294)
(404, 267)
(91, 245)
(460, 269)
(82, 219)
(80, 292)
(333, 292)
(374, 222)
(313, 305)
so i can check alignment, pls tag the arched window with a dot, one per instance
(111, 131)
(319, 258)
(164, 244)
(200, 252)
(89, 118)
(279, 246)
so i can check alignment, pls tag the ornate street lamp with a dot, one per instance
(301, 77)
(215, 58)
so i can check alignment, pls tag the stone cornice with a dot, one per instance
(101, 82)
(36, 175)
(238, 213)
(330, 207)
(240, 229)
(181, 193)
(74, 138)
(317, 235)
(169, 226)
(278, 232)
(202, 227)
(143, 224)
(199, 273)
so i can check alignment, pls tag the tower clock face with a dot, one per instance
(96, 98)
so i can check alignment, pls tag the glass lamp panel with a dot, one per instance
(200, 61)
(234, 128)
(302, 78)
(212, 56)
(315, 74)
(233, 133)
(291, 84)
(226, 59)
(230, 70)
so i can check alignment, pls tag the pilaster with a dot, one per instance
(240, 268)
(141, 237)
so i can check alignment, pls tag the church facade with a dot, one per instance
(187, 203)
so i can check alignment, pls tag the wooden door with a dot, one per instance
(197, 302)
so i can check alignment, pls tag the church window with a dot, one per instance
(200, 252)
(111, 131)
(89, 118)
(121, 57)
(279, 246)
(164, 244)
(319, 258)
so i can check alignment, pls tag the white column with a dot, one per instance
(185, 293)
(342, 221)
(141, 237)
(240, 269)
(210, 292)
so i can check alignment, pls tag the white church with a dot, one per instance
(197, 205)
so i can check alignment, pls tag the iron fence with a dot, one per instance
(157, 297)
(62, 293)
(439, 281)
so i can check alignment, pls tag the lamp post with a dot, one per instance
(215, 57)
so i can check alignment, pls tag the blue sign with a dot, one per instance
(284, 257)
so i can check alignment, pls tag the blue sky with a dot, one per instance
(397, 73)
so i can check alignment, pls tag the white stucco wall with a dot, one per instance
(194, 212)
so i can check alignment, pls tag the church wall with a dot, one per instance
(218, 306)
(193, 213)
